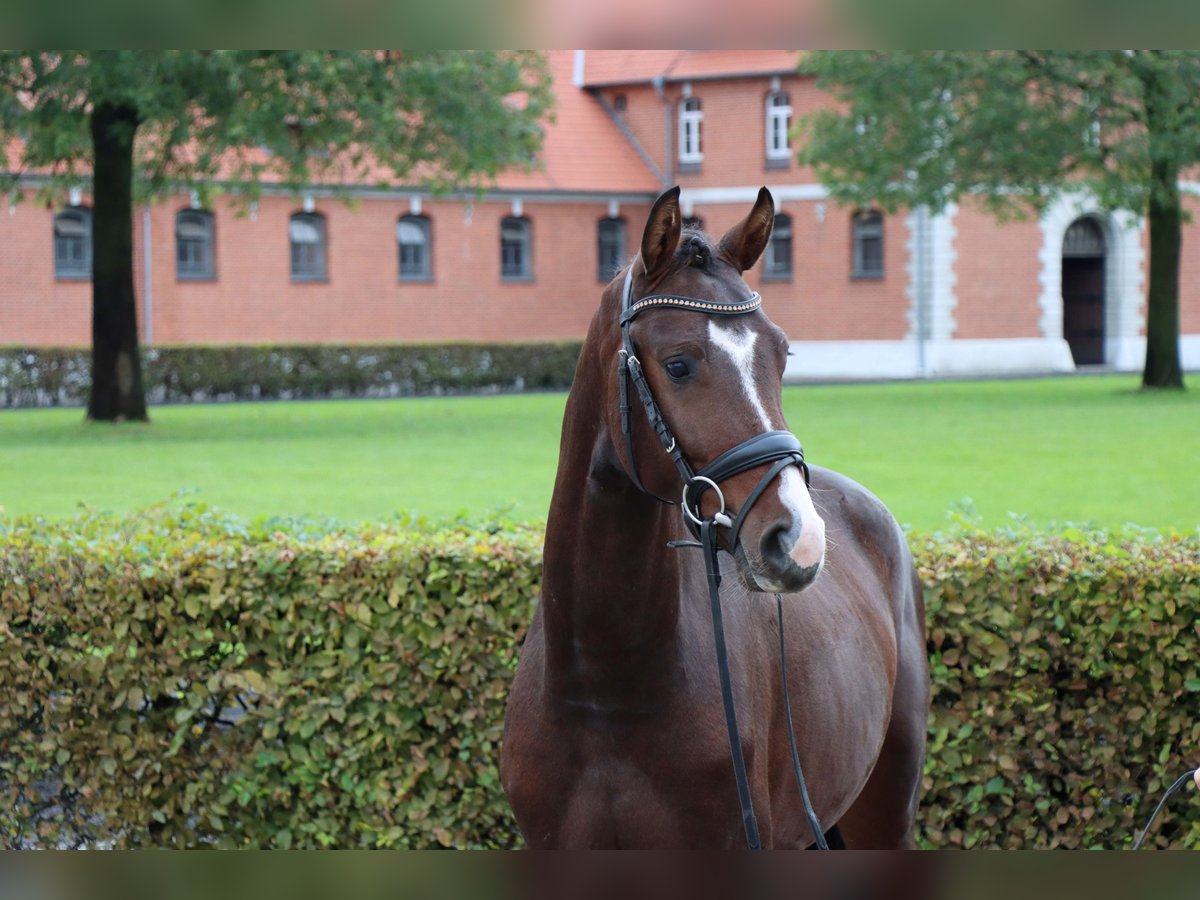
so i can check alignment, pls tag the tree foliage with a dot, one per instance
(1016, 130)
(440, 118)
(139, 123)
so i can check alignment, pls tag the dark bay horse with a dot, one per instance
(614, 734)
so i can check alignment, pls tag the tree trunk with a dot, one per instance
(1163, 369)
(117, 393)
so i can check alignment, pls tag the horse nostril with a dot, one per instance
(775, 546)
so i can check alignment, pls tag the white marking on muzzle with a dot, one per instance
(809, 549)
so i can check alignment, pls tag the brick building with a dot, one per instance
(860, 293)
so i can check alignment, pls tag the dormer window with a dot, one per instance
(779, 120)
(691, 116)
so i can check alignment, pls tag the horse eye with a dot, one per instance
(678, 369)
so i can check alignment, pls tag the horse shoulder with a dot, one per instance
(854, 516)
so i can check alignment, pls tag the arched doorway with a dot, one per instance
(1083, 291)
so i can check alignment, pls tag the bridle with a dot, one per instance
(779, 449)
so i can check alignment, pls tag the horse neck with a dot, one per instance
(610, 583)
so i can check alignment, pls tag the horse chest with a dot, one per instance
(622, 784)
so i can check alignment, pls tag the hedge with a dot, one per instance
(177, 374)
(182, 678)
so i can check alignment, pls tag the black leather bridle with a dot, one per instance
(779, 449)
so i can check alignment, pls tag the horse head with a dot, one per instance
(713, 364)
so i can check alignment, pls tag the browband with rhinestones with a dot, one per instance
(678, 302)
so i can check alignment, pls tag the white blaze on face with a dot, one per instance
(809, 549)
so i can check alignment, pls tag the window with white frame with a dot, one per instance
(412, 241)
(691, 116)
(778, 263)
(194, 250)
(307, 233)
(867, 238)
(779, 119)
(73, 243)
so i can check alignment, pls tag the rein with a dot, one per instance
(779, 449)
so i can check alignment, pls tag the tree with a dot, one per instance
(1017, 129)
(149, 122)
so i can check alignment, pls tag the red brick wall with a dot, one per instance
(997, 267)
(823, 301)
(35, 307)
(254, 299)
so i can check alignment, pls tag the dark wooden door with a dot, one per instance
(1083, 308)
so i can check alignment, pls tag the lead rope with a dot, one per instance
(813, 821)
(708, 541)
(1183, 779)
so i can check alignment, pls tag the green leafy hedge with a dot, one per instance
(182, 678)
(1066, 674)
(58, 376)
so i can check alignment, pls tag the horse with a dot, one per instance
(614, 735)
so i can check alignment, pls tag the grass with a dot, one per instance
(1084, 449)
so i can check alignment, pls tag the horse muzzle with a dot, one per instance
(787, 554)
(791, 555)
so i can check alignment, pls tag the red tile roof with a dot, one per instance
(583, 150)
(614, 67)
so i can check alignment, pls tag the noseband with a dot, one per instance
(778, 448)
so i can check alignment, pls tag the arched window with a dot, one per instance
(73, 243)
(413, 241)
(610, 249)
(778, 264)
(867, 238)
(516, 249)
(194, 250)
(691, 115)
(779, 118)
(307, 233)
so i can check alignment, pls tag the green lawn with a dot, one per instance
(1080, 449)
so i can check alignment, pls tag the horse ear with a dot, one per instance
(662, 230)
(744, 243)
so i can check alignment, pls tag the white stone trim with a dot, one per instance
(943, 258)
(1123, 279)
(999, 356)
(932, 281)
(577, 73)
(899, 359)
(1129, 353)
(851, 359)
(748, 193)
(1189, 352)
